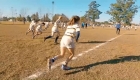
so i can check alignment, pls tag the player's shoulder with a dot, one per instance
(69, 26)
(75, 25)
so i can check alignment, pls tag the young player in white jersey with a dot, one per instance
(32, 27)
(67, 43)
(38, 30)
(55, 30)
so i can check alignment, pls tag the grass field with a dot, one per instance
(21, 56)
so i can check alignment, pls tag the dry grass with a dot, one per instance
(20, 55)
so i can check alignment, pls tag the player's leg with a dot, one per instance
(65, 65)
(28, 31)
(119, 31)
(116, 30)
(50, 36)
(58, 34)
(33, 31)
(35, 35)
(61, 55)
(71, 48)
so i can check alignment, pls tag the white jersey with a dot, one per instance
(72, 29)
(32, 22)
(77, 28)
(56, 25)
(32, 25)
(67, 41)
(39, 28)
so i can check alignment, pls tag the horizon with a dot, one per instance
(67, 7)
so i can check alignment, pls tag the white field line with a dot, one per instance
(37, 74)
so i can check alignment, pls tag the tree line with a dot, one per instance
(35, 17)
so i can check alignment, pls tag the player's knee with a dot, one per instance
(72, 55)
(62, 55)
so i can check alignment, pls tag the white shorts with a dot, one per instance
(67, 42)
(54, 29)
(32, 28)
(38, 30)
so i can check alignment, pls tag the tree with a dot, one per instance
(83, 19)
(47, 18)
(24, 20)
(64, 18)
(36, 16)
(5, 19)
(55, 17)
(93, 12)
(106, 22)
(23, 13)
(44, 18)
(33, 16)
(19, 18)
(123, 11)
(28, 18)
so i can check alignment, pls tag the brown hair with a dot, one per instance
(74, 20)
(43, 23)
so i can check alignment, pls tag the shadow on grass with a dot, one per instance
(112, 61)
(93, 42)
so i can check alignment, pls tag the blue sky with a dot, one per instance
(68, 7)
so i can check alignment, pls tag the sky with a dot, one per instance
(68, 7)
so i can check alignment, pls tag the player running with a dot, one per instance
(55, 30)
(67, 43)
